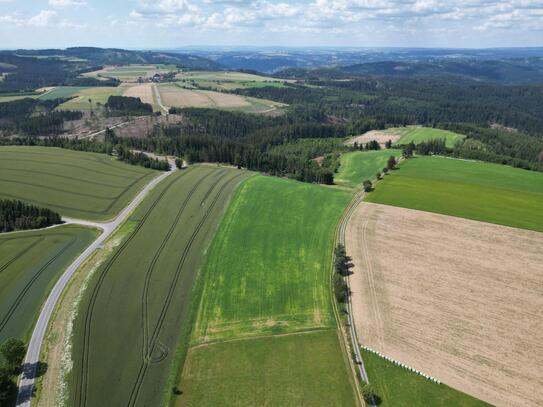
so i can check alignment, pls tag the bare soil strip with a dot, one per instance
(458, 299)
(379, 136)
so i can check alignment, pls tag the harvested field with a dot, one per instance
(175, 96)
(144, 92)
(457, 299)
(380, 136)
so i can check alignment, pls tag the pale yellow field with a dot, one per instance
(458, 299)
(143, 91)
(380, 136)
(175, 96)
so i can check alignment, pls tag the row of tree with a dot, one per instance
(12, 352)
(18, 215)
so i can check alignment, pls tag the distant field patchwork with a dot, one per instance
(474, 190)
(30, 264)
(76, 184)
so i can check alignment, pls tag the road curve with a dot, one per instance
(28, 376)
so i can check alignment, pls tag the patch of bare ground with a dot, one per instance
(144, 92)
(458, 299)
(379, 136)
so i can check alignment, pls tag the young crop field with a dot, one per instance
(227, 80)
(291, 370)
(138, 301)
(474, 190)
(396, 386)
(265, 332)
(358, 166)
(61, 92)
(30, 263)
(75, 184)
(454, 298)
(420, 134)
(131, 73)
(97, 94)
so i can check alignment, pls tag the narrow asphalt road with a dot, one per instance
(31, 362)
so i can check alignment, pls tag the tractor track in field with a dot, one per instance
(151, 268)
(21, 253)
(29, 284)
(82, 383)
(143, 367)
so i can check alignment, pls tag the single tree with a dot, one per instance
(367, 185)
(7, 386)
(391, 164)
(388, 144)
(369, 395)
(407, 150)
(385, 171)
(378, 175)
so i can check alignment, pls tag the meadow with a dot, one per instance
(265, 332)
(473, 190)
(138, 301)
(30, 264)
(395, 385)
(131, 72)
(292, 370)
(97, 94)
(75, 184)
(358, 166)
(227, 80)
(421, 134)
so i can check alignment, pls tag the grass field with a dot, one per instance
(227, 80)
(76, 184)
(358, 166)
(451, 297)
(397, 386)
(30, 263)
(265, 332)
(420, 134)
(474, 190)
(97, 94)
(138, 301)
(62, 92)
(292, 370)
(131, 72)
(268, 267)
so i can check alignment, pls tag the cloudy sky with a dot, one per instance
(178, 23)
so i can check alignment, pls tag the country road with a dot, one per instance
(27, 379)
(159, 99)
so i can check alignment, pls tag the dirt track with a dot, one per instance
(457, 299)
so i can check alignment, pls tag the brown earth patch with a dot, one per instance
(379, 136)
(457, 299)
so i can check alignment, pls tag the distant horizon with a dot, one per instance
(142, 24)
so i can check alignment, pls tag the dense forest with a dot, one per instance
(34, 117)
(17, 215)
(127, 106)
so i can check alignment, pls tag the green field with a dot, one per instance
(138, 302)
(97, 94)
(61, 92)
(358, 166)
(397, 386)
(227, 80)
(268, 267)
(30, 264)
(474, 190)
(265, 332)
(420, 134)
(131, 72)
(292, 370)
(75, 184)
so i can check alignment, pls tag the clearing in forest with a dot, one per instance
(457, 299)
(417, 134)
(358, 166)
(265, 333)
(468, 189)
(75, 184)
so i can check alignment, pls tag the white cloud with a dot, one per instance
(43, 19)
(66, 3)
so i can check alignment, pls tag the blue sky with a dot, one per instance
(178, 23)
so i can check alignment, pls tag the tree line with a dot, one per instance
(18, 215)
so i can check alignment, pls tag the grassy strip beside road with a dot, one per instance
(473, 190)
(395, 385)
(75, 184)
